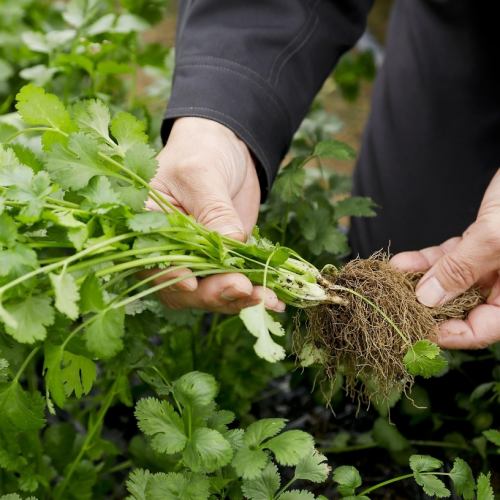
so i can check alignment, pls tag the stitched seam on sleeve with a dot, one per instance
(291, 48)
(269, 92)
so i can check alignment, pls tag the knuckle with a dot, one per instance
(214, 211)
(458, 270)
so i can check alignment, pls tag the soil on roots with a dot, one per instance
(366, 337)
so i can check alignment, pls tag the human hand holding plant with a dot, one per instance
(458, 264)
(205, 170)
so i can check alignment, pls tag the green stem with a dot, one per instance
(94, 427)
(400, 478)
(287, 485)
(26, 362)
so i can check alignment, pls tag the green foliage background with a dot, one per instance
(195, 377)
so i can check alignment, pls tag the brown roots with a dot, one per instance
(366, 339)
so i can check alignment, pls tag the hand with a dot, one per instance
(207, 171)
(457, 265)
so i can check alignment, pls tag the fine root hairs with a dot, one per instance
(366, 336)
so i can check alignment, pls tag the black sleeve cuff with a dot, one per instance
(241, 100)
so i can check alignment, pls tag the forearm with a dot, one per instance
(256, 66)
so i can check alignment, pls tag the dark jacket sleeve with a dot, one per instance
(256, 65)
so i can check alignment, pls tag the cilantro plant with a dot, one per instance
(209, 459)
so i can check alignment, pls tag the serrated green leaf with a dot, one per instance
(8, 231)
(424, 463)
(249, 463)
(67, 373)
(92, 116)
(196, 389)
(100, 195)
(290, 446)
(263, 429)
(207, 450)
(261, 324)
(355, 206)
(175, 486)
(424, 358)
(66, 293)
(484, 489)
(21, 410)
(463, 480)
(348, 479)
(104, 335)
(289, 185)
(263, 487)
(30, 317)
(128, 131)
(137, 484)
(313, 467)
(36, 107)
(4, 370)
(432, 485)
(334, 149)
(297, 495)
(141, 159)
(158, 420)
(146, 222)
(17, 260)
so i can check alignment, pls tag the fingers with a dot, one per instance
(421, 260)
(226, 294)
(479, 330)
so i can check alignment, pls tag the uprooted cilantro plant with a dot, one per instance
(75, 234)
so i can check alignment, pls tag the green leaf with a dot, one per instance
(297, 495)
(263, 487)
(105, 333)
(4, 370)
(16, 261)
(432, 485)
(36, 107)
(289, 185)
(289, 447)
(261, 324)
(334, 149)
(355, 206)
(66, 293)
(128, 131)
(313, 467)
(73, 165)
(348, 479)
(196, 389)
(158, 420)
(424, 463)
(67, 373)
(175, 486)
(91, 295)
(249, 463)
(263, 429)
(388, 436)
(100, 195)
(484, 489)
(463, 480)
(137, 484)
(8, 231)
(21, 410)
(92, 116)
(141, 159)
(207, 451)
(424, 358)
(30, 318)
(147, 222)
(493, 436)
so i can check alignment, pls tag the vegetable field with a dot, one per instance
(106, 394)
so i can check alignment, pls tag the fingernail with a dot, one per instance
(232, 293)
(187, 285)
(431, 293)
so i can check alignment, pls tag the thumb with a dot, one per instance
(218, 214)
(455, 272)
